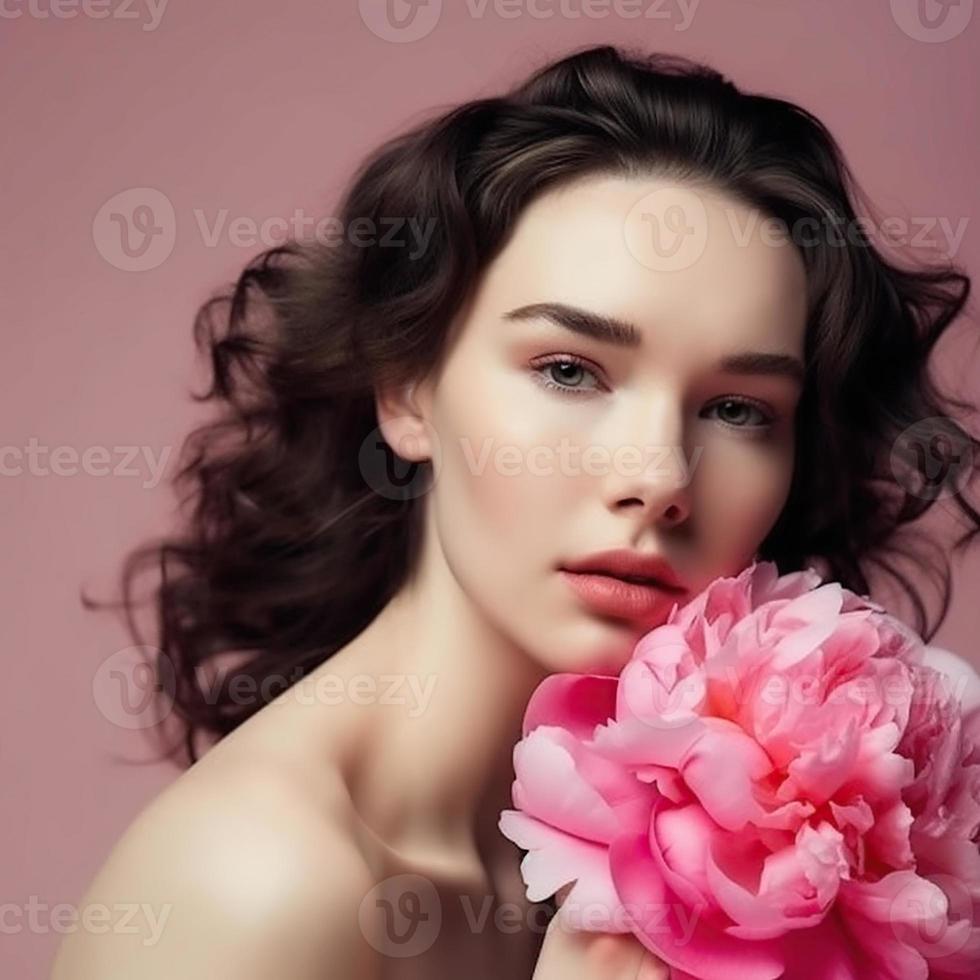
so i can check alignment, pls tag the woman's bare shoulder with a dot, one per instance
(240, 869)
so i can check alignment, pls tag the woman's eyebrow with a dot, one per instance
(598, 326)
(612, 330)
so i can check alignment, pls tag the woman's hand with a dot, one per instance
(594, 955)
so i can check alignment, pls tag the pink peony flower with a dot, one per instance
(784, 781)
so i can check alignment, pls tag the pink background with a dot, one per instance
(261, 109)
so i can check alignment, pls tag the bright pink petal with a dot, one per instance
(667, 781)
(677, 933)
(825, 952)
(577, 702)
(685, 835)
(888, 836)
(795, 888)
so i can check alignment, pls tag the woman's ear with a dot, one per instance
(403, 420)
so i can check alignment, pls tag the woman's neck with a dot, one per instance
(433, 703)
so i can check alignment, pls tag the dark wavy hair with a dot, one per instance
(288, 552)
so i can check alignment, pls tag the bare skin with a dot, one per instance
(271, 850)
(222, 826)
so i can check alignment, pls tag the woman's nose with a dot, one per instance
(653, 474)
(661, 498)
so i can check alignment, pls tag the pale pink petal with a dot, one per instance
(880, 774)
(633, 743)
(820, 769)
(963, 676)
(657, 694)
(550, 787)
(798, 644)
(554, 859)
(720, 769)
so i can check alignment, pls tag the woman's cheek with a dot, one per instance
(740, 499)
(508, 450)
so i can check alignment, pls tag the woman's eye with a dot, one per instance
(736, 410)
(564, 374)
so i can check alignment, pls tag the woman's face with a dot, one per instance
(554, 444)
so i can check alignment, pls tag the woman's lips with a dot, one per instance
(617, 597)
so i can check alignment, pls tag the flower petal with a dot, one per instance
(577, 702)
(550, 786)
(555, 858)
(678, 933)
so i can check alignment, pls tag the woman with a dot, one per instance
(629, 322)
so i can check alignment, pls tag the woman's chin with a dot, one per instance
(605, 649)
